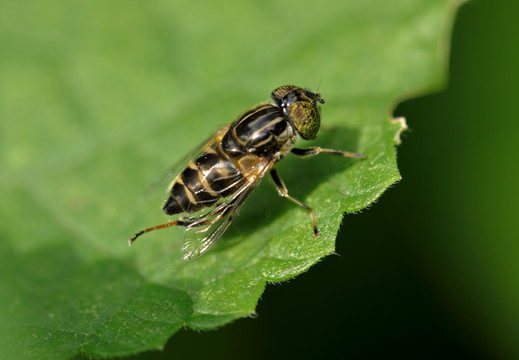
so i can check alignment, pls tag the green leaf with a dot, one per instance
(98, 98)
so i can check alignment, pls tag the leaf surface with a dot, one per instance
(98, 98)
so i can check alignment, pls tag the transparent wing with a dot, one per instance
(180, 164)
(208, 226)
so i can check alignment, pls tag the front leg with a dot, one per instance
(316, 150)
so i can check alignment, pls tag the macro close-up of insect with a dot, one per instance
(218, 179)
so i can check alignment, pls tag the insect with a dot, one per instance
(214, 185)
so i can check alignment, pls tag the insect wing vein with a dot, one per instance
(210, 224)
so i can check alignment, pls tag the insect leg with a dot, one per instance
(158, 227)
(316, 150)
(283, 191)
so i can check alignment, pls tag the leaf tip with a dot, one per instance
(402, 127)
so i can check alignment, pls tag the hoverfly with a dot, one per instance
(217, 181)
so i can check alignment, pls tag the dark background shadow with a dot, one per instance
(396, 290)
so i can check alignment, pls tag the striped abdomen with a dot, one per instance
(205, 181)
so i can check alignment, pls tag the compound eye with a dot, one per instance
(305, 117)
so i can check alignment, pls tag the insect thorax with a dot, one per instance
(263, 131)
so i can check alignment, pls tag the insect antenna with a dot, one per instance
(319, 87)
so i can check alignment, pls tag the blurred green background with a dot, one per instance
(432, 269)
